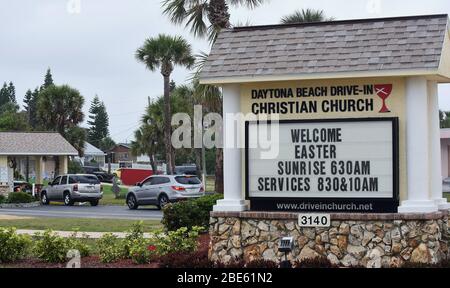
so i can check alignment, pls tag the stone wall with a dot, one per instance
(370, 240)
(4, 190)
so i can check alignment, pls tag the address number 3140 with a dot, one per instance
(314, 220)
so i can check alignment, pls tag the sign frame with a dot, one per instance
(379, 205)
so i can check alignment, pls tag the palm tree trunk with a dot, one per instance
(219, 171)
(168, 127)
(198, 161)
(153, 163)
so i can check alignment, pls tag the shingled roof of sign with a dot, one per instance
(382, 44)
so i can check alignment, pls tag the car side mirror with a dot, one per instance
(139, 184)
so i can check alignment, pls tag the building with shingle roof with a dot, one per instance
(337, 49)
(32, 154)
(337, 71)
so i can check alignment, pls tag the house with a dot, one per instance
(36, 155)
(121, 153)
(93, 156)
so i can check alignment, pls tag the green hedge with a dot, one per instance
(19, 197)
(2, 199)
(189, 213)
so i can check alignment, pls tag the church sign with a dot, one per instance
(335, 165)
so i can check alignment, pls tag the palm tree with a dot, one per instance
(305, 16)
(207, 18)
(60, 109)
(164, 52)
(204, 17)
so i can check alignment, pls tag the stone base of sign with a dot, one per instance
(369, 240)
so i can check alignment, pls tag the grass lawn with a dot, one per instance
(210, 184)
(78, 224)
(109, 197)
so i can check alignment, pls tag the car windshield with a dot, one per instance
(192, 180)
(84, 179)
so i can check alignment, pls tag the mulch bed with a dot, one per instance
(94, 261)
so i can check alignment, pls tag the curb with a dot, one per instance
(20, 205)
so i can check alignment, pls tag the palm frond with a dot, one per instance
(305, 16)
(248, 3)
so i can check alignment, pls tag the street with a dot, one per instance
(99, 212)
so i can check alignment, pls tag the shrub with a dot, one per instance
(13, 246)
(2, 199)
(78, 244)
(51, 247)
(134, 236)
(109, 248)
(74, 167)
(189, 213)
(181, 240)
(142, 251)
(319, 262)
(195, 260)
(19, 197)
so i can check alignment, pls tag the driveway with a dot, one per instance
(99, 212)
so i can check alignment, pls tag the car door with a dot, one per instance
(143, 192)
(156, 187)
(160, 186)
(63, 186)
(53, 188)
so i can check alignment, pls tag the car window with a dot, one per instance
(188, 180)
(85, 179)
(148, 181)
(56, 181)
(64, 180)
(72, 180)
(160, 180)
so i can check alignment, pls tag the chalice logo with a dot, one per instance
(384, 91)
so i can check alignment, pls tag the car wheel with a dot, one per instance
(68, 200)
(162, 201)
(132, 202)
(44, 199)
(94, 203)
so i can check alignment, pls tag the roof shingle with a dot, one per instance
(328, 47)
(35, 143)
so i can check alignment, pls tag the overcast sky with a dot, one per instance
(90, 45)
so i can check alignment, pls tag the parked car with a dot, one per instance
(73, 188)
(186, 170)
(104, 176)
(22, 186)
(91, 169)
(160, 190)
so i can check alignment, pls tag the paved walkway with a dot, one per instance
(66, 234)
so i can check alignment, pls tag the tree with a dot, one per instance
(48, 80)
(59, 108)
(305, 16)
(207, 18)
(11, 119)
(204, 17)
(106, 144)
(164, 52)
(12, 93)
(444, 118)
(98, 122)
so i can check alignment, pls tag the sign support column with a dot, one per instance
(417, 145)
(435, 147)
(232, 157)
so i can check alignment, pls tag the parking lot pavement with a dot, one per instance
(99, 212)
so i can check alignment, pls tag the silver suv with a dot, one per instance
(73, 188)
(162, 189)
